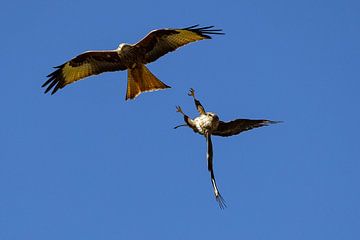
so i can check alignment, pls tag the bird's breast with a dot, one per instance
(206, 124)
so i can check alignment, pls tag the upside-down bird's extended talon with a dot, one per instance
(179, 110)
(192, 92)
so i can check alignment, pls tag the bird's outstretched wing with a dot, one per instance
(162, 41)
(218, 196)
(82, 66)
(237, 126)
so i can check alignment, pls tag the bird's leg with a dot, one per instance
(198, 105)
(189, 122)
(192, 93)
(179, 110)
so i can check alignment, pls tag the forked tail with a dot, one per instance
(140, 79)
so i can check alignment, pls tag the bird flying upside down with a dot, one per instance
(208, 124)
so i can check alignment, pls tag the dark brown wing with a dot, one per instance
(159, 42)
(237, 126)
(82, 66)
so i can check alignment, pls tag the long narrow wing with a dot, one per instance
(162, 41)
(218, 196)
(237, 126)
(82, 66)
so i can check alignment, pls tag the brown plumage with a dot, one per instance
(131, 57)
(208, 124)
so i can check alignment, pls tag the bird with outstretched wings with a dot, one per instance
(208, 124)
(131, 57)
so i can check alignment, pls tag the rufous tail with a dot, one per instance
(140, 79)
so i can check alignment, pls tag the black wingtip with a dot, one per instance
(191, 27)
(46, 90)
(204, 31)
(55, 81)
(46, 83)
(274, 122)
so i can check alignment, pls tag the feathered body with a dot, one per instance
(206, 123)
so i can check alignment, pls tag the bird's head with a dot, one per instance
(123, 46)
(213, 115)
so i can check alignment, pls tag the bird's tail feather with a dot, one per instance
(210, 154)
(140, 79)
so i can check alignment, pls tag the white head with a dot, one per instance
(123, 46)
(213, 115)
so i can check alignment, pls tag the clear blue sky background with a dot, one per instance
(85, 164)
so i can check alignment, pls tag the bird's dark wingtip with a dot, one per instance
(204, 31)
(46, 83)
(191, 27)
(46, 91)
(55, 81)
(274, 122)
(56, 88)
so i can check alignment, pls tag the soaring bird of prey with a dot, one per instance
(208, 124)
(132, 57)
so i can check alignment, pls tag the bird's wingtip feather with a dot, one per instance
(274, 122)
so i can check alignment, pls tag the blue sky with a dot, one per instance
(85, 164)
